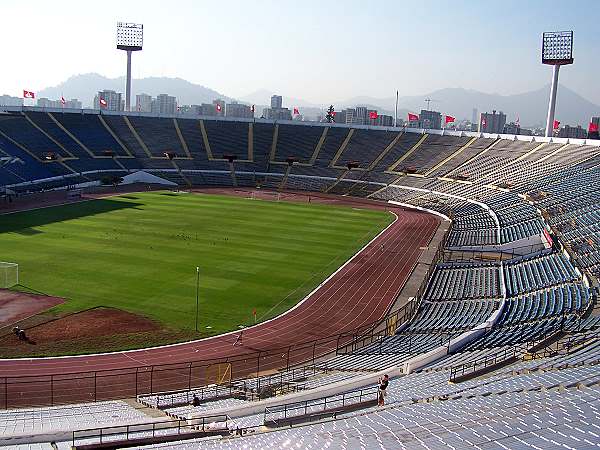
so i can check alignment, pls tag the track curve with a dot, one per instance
(358, 294)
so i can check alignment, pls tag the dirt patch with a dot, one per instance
(92, 323)
(16, 306)
(94, 330)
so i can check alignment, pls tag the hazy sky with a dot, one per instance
(316, 50)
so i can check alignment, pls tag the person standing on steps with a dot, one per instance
(382, 390)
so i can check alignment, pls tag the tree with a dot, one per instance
(330, 114)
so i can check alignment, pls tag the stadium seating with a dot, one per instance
(89, 130)
(499, 194)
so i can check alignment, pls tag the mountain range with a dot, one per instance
(529, 107)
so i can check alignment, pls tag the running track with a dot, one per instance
(357, 295)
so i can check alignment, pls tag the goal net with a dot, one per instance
(9, 274)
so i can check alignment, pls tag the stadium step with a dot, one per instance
(138, 137)
(182, 140)
(414, 148)
(452, 156)
(333, 163)
(470, 160)
(315, 154)
(58, 144)
(385, 151)
(62, 127)
(115, 137)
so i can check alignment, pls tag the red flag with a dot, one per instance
(254, 312)
(373, 115)
(62, 100)
(103, 103)
(556, 125)
(450, 119)
(593, 128)
(28, 94)
(413, 117)
(218, 106)
(296, 112)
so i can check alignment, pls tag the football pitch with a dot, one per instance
(139, 252)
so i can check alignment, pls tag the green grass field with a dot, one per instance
(139, 253)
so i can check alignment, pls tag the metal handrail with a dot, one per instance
(125, 432)
(321, 403)
(313, 348)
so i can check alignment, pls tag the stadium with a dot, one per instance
(211, 282)
(485, 275)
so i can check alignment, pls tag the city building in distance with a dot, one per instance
(113, 100)
(277, 111)
(493, 122)
(515, 128)
(572, 132)
(7, 100)
(164, 104)
(47, 103)
(239, 110)
(594, 122)
(143, 103)
(430, 120)
(361, 115)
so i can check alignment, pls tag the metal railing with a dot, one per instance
(110, 384)
(489, 360)
(251, 388)
(150, 431)
(394, 319)
(516, 350)
(317, 408)
(489, 254)
(562, 347)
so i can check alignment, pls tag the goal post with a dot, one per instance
(9, 274)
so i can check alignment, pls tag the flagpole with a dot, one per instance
(396, 111)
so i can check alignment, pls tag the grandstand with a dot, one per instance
(505, 307)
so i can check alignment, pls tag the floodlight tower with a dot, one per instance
(557, 50)
(130, 37)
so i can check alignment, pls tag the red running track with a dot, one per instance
(357, 295)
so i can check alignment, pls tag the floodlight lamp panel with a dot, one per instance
(130, 36)
(557, 47)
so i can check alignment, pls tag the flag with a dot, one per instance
(556, 125)
(218, 106)
(254, 312)
(62, 101)
(413, 117)
(252, 108)
(373, 115)
(593, 128)
(296, 111)
(483, 122)
(450, 119)
(518, 122)
(28, 94)
(103, 103)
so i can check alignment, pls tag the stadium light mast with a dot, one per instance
(130, 37)
(557, 50)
